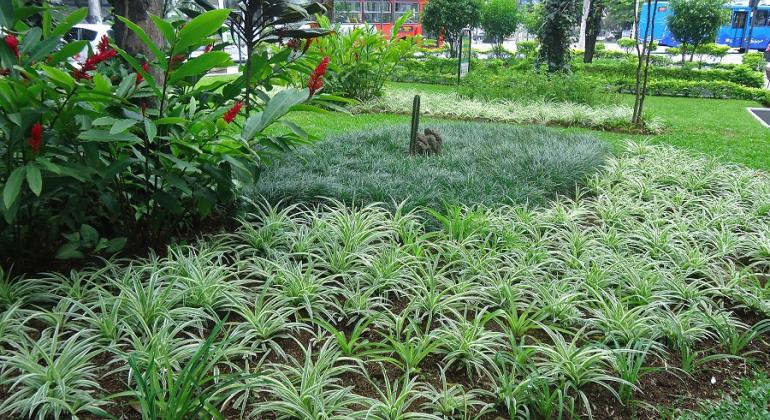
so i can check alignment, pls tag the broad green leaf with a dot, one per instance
(69, 251)
(201, 65)
(116, 244)
(67, 51)
(148, 77)
(106, 136)
(142, 35)
(165, 28)
(88, 233)
(13, 186)
(198, 29)
(104, 121)
(150, 129)
(171, 120)
(34, 179)
(126, 85)
(278, 106)
(121, 126)
(59, 77)
(169, 202)
(46, 46)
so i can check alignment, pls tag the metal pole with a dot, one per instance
(94, 11)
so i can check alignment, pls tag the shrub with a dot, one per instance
(527, 48)
(533, 86)
(93, 157)
(700, 89)
(627, 44)
(755, 60)
(362, 59)
(612, 71)
(712, 50)
(481, 163)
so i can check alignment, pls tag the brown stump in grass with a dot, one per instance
(429, 143)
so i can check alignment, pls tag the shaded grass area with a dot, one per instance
(489, 164)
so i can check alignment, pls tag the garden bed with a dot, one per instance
(661, 260)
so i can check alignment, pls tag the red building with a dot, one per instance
(381, 14)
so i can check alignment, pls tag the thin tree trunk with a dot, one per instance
(584, 24)
(94, 11)
(593, 27)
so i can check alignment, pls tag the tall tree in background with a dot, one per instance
(450, 17)
(596, 10)
(137, 11)
(695, 22)
(94, 11)
(556, 34)
(499, 19)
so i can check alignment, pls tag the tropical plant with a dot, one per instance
(500, 19)
(362, 59)
(450, 17)
(694, 22)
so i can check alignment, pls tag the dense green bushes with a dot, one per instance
(699, 89)
(610, 70)
(533, 86)
(91, 155)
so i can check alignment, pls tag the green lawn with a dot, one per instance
(716, 127)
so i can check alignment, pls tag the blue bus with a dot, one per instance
(734, 33)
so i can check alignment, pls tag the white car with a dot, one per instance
(91, 32)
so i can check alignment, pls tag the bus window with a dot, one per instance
(373, 12)
(402, 7)
(739, 20)
(761, 18)
(347, 12)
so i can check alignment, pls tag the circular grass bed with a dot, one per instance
(481, 163)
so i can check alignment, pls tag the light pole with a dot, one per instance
(94, 11)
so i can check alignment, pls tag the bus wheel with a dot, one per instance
(741, 50)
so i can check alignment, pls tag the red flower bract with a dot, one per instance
(316, 81)
(13, 43)
(36, 137)
(104, 54)
(233, 112)
(208, 48)
(139, 77)
(104, 44)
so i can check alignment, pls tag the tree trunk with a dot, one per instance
(137, 11)
(94, 11)
(593, 27)
(584, 24)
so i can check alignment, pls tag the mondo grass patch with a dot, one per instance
(487, 164)
(648, 289)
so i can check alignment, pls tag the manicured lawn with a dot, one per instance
(481, 163)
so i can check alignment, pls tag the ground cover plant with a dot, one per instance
(573, 308)
(450, 105)
(487, 164)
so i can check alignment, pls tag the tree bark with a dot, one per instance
(593, 27)
(584, 24)
(138, 12)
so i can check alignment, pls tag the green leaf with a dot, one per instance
(142, 35)
(69, 251)
(67, 51)
(171, 120)
(278, 106)
(121, 126)
(13, 186)
(126, 85)
(116, 244)
(168, 202)
(166, 29)
(150, 129)
(105, 136)
(34, 179)
(148, 77)
(88, 233)
(59, 77)
(201, 65)
(198, 29)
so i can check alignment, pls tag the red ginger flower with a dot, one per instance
(208, 48)
(139, 77)
(104, 53)
(233, 112)
(316, 81)
(104, 44)
(13, 43)
(36, 137)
